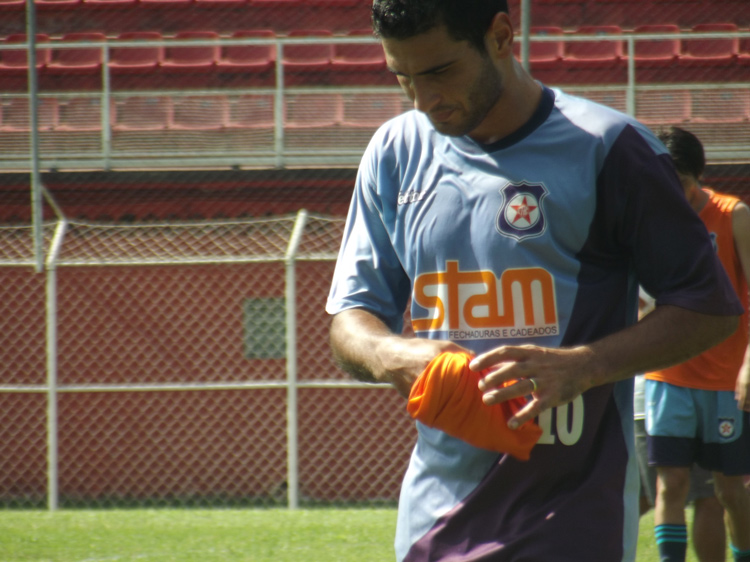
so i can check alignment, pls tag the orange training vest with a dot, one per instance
(717, 368)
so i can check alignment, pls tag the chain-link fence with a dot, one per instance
(185, 363)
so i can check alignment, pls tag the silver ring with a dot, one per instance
(533, 385)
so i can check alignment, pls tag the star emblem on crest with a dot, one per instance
(523, 211)
(726, 428)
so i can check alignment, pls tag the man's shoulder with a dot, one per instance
(401, 137)
(408, 123)
(601, 121)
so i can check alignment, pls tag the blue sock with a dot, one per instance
(672, 542)
(740, 555)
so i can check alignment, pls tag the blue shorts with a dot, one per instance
(687, 425)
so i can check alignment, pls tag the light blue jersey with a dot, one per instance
(540, 238)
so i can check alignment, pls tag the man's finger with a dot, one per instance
(497, 395)
(499, 355)
(527, 413)
(501, 374)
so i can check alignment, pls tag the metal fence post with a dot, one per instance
(36, 181)
(630, 92)
(291, 360)
(278, 107)
(51, 345)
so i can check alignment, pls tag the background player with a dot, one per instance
(694, 411)
(707, 531)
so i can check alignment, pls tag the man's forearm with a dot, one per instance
(354, 337)
(666, 337)
(367, 349)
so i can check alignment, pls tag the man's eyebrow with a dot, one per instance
(432, 70)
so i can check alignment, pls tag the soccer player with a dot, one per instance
(518, 221)
(694, 411)
(708, 532)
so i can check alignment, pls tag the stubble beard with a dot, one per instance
(484, 93)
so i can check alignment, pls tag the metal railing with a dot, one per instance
(279, 154)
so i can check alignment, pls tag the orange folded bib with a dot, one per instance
(446, 396)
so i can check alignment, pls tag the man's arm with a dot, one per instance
(366, 348)
(741, 232)
(665, 337)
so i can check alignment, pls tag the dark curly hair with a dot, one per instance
(465, 20)
(686, 150)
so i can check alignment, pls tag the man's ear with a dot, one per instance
(499, 37)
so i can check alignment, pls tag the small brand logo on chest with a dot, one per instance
(410, 197)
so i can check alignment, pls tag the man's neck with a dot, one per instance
(521, 99)
(698, 198)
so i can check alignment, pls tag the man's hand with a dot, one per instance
(404, 359)
(551, 376)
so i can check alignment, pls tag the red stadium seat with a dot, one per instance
(199, 113)
(136, 59)
(358, 57)
(743, 57)
(334, 3)
(663, 107)
(723, 105)
(141, 113)
(12, 4)
(250, 111)
(302, 111)
(110, 3)
(594, 54)
(710, 52)
(16, 61)
(275, 3)
(85, 59)
(16, 114)
(309, 57)
(370, 110)
(80, 114)
(616, 99)
(43, 4)
(657, 52)
(220, 3)
(248, 58)
(192, 59)
(542, 54)
(165, 3)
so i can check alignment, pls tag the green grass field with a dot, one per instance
(214, 535)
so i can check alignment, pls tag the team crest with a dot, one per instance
(521, 214)
(726, 427)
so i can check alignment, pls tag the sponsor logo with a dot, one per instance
(726, 427)
(477, 305)
(521, 214)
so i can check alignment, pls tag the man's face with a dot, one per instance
(689, 184)
(450, 81)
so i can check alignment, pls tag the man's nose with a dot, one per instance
(425, 98)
